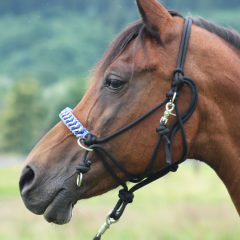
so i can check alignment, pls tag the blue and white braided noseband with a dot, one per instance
(73, 124)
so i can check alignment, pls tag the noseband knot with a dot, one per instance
(90, 140)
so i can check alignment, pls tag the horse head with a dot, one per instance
(133, 77)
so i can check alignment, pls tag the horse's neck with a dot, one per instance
(235, 50)
(218, 139)
(216, 146)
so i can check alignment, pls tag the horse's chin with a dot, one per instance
(59, 210)
(59, 213)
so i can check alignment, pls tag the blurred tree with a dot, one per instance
(67, 93)
(54, 40)
(21, 118)
(19, 7)
(51, 49)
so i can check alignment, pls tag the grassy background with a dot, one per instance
(186, 205)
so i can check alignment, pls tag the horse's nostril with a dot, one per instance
(27, 177)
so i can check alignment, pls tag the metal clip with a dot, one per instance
(169, 109)
(79, 179)
(174, 97)
(106, 225)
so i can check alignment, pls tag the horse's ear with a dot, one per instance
(155, 16)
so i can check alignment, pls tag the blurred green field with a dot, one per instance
(186, 205)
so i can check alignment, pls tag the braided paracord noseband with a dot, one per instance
(165, 133)
(73, 124)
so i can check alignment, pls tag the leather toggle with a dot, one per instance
(163, 132)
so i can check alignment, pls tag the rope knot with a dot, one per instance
(90, 140)
(126, 196)
(162, 130)
(84, 167)
(178, 80)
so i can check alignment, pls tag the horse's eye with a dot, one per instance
(114, 84)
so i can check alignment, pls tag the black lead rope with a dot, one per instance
(165, 133)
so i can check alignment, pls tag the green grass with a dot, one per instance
(187, 205)
(9, 182)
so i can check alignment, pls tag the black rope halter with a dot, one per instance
(165, 133)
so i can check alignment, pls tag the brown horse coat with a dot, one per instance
(145, 65)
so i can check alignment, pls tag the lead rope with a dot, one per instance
(165, 133)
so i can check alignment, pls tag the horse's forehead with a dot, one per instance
(127, 55)
(136, 55)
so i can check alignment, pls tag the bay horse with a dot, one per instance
(133, 77)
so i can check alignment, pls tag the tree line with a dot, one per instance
(48, 46)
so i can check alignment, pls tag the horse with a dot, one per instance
(132, 77)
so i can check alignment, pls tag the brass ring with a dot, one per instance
(85, 148)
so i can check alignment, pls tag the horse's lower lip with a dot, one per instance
(59, 212)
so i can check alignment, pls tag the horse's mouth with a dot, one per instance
(58, 211)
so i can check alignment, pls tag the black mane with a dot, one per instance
(229, 35)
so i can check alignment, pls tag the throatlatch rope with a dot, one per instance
(165, 133)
